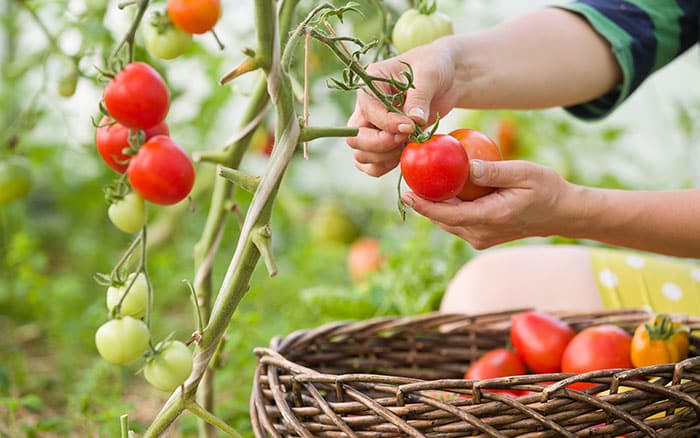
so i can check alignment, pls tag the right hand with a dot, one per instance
(382, 134)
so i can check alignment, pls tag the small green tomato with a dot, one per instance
(163, 40)
(415, 28)
(170, 367)
(136, 300)
(128, 214)
(122, 341)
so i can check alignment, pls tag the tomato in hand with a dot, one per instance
(364, 258)
(112, 138)
(659, 341)
(194, 16)
(135, 301)
(129, 213)
(16, 179)
(598, 347)
(161, 172)
(478, 147)
(437, 169)
(540, 339)
(122, 341)
(170, 367)
(497, 363)
(416, 27)
(137, 97)
(164, 40)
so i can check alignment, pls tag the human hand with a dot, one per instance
(530, 200)
(378, 144)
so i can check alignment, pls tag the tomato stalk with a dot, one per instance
(129, 37)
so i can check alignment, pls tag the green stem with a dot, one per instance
(124, 423)
(130, 35)
(53, 42)
(212, 419)
(313, 132)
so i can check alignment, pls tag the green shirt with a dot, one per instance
(644, 36)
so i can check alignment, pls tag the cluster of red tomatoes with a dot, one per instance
(544, 343)
(438, 169)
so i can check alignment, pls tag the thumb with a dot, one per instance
(417, 105)
(509, 173)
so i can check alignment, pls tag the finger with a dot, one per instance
(376, 141)
(508, 173)
(376, 169)
(452, 212)
(376, 114)
(363, 157)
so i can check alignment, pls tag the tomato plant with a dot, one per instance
(163, 40)
(659, 341)
(435, 169)
(129, 213)
(122, 341)
(416, 27)
(136, 300)
(137, 97)
(194, 16)
(364, 258)
(16, 179)
(161, 171)
(478, 147)
(497, 363)
(169, 367)
(112, 139)
(540, 339)
(598, 347)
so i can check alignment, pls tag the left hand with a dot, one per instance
(530, 200)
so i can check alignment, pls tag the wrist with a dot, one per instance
(580, 206)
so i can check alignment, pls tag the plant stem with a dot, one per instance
(212, 419)
(314, 132)
(131, 33)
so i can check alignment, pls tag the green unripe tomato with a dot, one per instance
(122, 341)
(414, 29)
(15, 179)
(163, 40)
(135, 302)
(128, 214)
(170, 367)
(68, 81)
(331, 223)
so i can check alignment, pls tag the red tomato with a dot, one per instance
(478, 147)
(598, 348)
(436, 169)
(161, 172)
(364, 258)
(194, 16)
(497, 363)
(111, 139)
(137, 97)
(540, 339)
(507, 139)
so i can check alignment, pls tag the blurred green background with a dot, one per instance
(52, 243)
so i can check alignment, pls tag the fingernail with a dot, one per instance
(417, 114)
(477, 168)
(407, 201)
(406, 128)
(400, 138)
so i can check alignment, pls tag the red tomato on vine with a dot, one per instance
(111, 138)
(194, 16)
(137, 97)
(478, 147)
(436, 169)
(161, 172)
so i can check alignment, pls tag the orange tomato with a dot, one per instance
(659, 341)
(194, 16)
(478, 147)
(364, 258)
(506, 136)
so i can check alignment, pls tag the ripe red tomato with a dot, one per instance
(111, 138)
(137, 97)
(161, 172)
(364, 258)
(194, 16)
(478, 147)
(598, 348)
(540, 339)
(497, 363)
(436, 169)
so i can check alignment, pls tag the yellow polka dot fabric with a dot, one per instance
(661, 284)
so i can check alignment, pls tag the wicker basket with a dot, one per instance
(392, 377)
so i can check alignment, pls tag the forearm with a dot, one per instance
(665, 222)
(545, 58)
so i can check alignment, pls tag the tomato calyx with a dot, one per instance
(426, 7)
(663, 328)
(161, 22)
